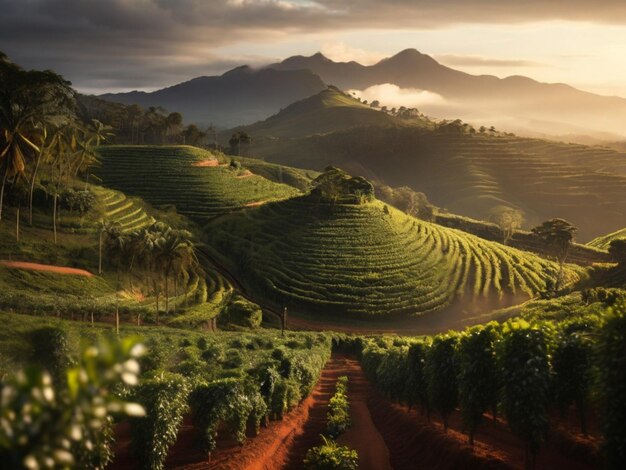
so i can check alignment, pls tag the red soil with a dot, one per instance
(203, 163)
(385, 435)
(411, 438)
(45, 268)
(255, 204)
(245, 174)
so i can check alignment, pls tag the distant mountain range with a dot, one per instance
(244, 95)
(240, 96)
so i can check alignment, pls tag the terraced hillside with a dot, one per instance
(199, 184)
(370, 260)
(123, 210)
(603, 242)
(467, 172)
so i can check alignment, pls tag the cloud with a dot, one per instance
(458, 60)
(133, 43)
(393, 96)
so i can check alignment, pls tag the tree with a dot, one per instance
(617, 250)
(508, 219)
(375, 104)
(173, 249)
(28, 101)
(116, 246)
(237, 139)
(557, 236)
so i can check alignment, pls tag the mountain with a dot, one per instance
(328, 111)
(484, 99)
(459, 168)
(240, 96)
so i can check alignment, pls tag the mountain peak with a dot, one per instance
(321, 57)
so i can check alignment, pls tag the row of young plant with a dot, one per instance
(331, 455)
(232, 405)
(519, 369)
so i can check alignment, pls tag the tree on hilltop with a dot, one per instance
(508, 219)
(557, 236)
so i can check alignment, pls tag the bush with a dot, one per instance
(243, 313)
(67, 424)
(51, 350)
(479, 375)
(441, 376)
(526, 382)
(165, 401)
(330, 456)
(416, 389)
(611, 385)
(338, 417)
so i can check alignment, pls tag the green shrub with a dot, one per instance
(50, 348)
(331, 456)
(67, 424)
(338, 416)
(479, 375)
(441, 376)
(222, 402)
(416, 388)
(165, 401)
(243, 313)
(571, 365)
(611, 385)
(526, 383)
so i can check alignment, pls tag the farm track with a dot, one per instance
(386, 436)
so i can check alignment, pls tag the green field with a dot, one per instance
(167, 176)
(368, 260)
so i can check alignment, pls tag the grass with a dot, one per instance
(166, 176)
(369, 260)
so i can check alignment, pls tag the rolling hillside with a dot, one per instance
(464, 172)
(198, 184)
(370, 260)
(328, 111)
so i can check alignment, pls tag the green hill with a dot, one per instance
(604, 241)
(174, 175)
(328, 111)
(465, 171)
(370, 260)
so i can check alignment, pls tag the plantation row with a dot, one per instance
(226, 382)
(263, 380)
(119, 209)
(167, 176)
(604, 241)
(370, 259)
(517, 369)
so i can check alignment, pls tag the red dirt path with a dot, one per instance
(45, 268)
(203, 163)
(385, 435)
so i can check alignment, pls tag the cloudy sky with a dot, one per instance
(113, 45)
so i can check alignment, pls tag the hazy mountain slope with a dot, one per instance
(466, 173)
(482, 97)
(240, 96)
(327, 111)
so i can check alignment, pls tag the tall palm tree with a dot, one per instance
(116, 246)
(171, 250)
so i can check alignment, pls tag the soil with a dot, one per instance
(204, 163)
(245, 174)
(386, 435)
(46, 268)
(255, 204)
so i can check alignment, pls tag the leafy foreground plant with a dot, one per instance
(331, 455)
(67, 424)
